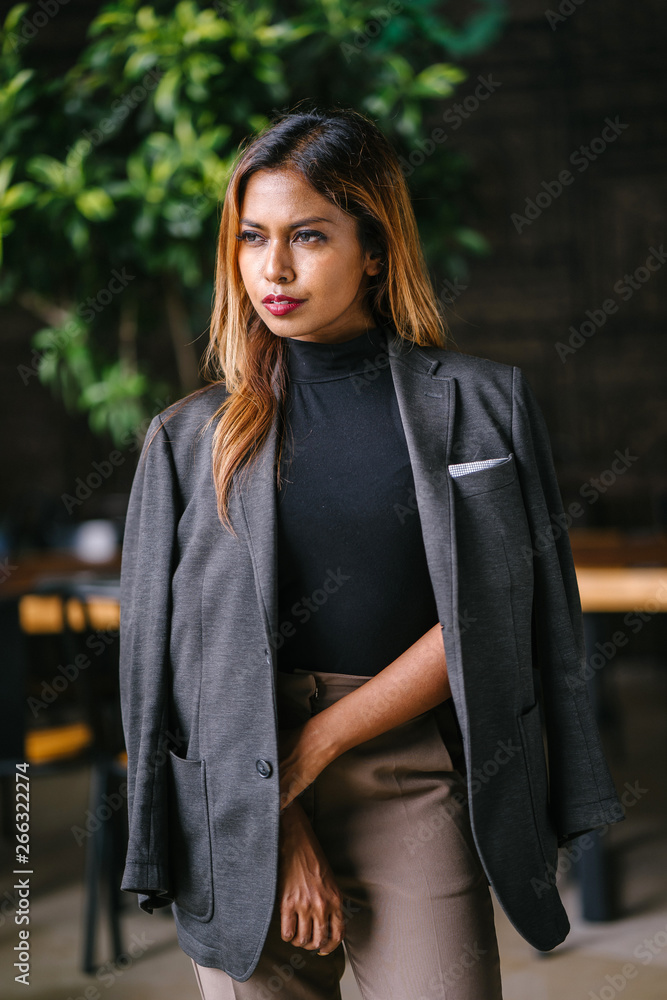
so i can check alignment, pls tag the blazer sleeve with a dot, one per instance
(147, 564)
(582, 792)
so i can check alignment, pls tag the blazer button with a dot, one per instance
(264, 768)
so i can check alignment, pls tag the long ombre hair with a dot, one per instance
(348, 160)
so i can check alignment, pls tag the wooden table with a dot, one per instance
(45, 613)
(617, 571)
(21, 574)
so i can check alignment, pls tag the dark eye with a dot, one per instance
(246, 233)
(316, 237)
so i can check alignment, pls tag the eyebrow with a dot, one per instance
(293, 225)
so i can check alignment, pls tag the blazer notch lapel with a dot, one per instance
(257, 494)
(426, 399)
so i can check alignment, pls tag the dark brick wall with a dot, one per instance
(556, 88)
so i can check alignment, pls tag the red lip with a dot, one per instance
(280, 298)
(281, 305)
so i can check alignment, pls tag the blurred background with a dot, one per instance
(534, 143)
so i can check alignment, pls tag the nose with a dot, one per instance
(278, 262)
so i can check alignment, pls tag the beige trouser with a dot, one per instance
(392, 820)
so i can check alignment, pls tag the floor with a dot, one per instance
(596, 962)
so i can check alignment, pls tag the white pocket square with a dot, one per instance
(463, 468)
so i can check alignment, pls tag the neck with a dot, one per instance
(310, 360)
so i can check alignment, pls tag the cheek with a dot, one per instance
(338, 273)
(247, 269)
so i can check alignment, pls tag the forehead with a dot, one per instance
(281, 193)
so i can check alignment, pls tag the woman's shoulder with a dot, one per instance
(191, 411)
(180, 425)
(470, 368)
(174, 433)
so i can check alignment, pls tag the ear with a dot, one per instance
(374, 263)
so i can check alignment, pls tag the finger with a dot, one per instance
(288, 924)
(285, 799)
(304, 935)
(321, 935)
(336, 933)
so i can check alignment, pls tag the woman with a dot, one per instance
(338, 584)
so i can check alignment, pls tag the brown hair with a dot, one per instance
(348, 160)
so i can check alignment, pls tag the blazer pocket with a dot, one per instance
(189, 837)
(483, 476)
(532, 742)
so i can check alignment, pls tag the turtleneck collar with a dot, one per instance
(310, 361)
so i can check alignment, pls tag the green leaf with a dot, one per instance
(95, 204)
(48, 171)
(472, 240)
(136, 170)
(438, 80)
(6, 171)
(184, 132)
(18, 82)
(109, 19)
(154, 193)
(77, 232)
(18, 195)
(165, 93)
(401, 67)
(146, 19)
(14, 16)
(139, 63)
(210, 28)
(186, 14)
(482, 28)
(201, 67)
(163, 170)
(196, 93)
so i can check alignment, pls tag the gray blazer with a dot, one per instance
(197, 657)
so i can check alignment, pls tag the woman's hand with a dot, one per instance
(311, 904)
(300, 762)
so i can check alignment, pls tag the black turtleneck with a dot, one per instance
(354, 588)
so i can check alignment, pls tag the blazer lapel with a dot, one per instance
(257, 494)
(426, 400)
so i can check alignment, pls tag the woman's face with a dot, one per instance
(296, 245)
